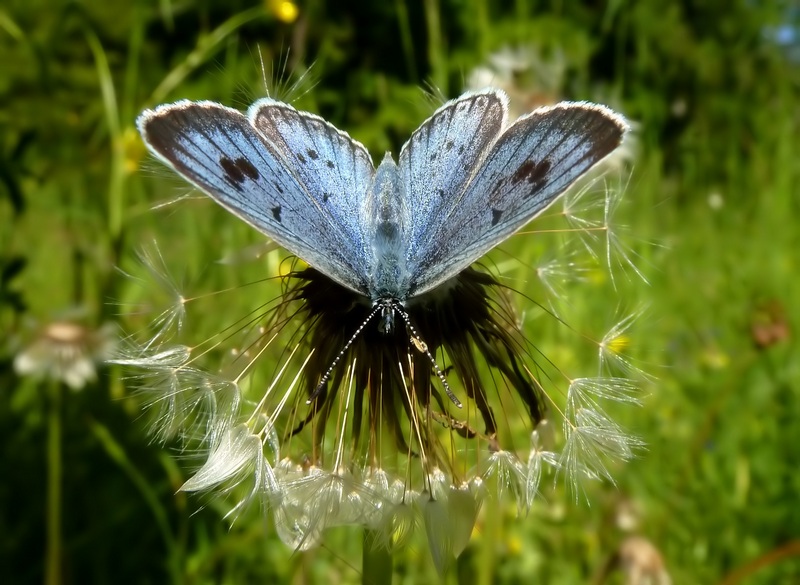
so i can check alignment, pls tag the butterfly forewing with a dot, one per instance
(335, 169)
(218, 150)
(533, 162)
(436, 162)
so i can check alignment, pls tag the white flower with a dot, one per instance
(67, 352)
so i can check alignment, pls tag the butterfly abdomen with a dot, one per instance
(389, 275)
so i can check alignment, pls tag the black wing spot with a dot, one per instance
(532, 173)
(312, 154)
(449, 145)
(461, 149)
(433, 156)
(232, 172)
(329, 164)
(276, 213)
(496, 215)
(278, 187)
(301, 158)
(247, 168)
(236, 171)
(440, 192)
(325, 197)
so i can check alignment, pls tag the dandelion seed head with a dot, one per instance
(67, 352)
(380, 445)
(530, 77)
(640, 562)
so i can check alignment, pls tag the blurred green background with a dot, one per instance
(713, 88)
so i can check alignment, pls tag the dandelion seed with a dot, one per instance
(592, 437)
(511, 475)
(554, 273)
(587, 391)
(174, 357)
(611, 349)
(464, 502)
(617, 251)
(233, 456)
(182, 397)
(170, 321)
(541, 436)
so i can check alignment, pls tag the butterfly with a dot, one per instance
(464, 182)
(398, 239)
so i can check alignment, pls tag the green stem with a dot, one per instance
(116, 187)
(117, 454)
(376, 561)
(436, 48)
(53, 562)
(406, 38)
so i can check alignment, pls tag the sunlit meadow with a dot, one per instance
(652, 307)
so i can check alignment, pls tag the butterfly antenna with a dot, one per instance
(338, 358)
(423, 347)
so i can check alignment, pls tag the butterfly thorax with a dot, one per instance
(389, 277)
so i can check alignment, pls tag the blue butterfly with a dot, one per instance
(464, 182)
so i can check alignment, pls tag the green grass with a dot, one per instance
(716, 489)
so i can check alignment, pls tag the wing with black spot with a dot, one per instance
(437, 161)
(532, 162)
(292, 185)
(331, 165)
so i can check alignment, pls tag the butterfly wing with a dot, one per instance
(270, 177)
(532, 162)
(436, 162)
(331, 164)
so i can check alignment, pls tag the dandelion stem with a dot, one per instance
(54, 474)
(118, 455)
(116, 188)
(376, 561)
(436, 49)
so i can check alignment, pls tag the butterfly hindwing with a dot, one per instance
(219, 151)
(533, 162)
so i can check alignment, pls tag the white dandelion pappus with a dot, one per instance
(392, 237)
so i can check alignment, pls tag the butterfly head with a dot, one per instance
(388, 310)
